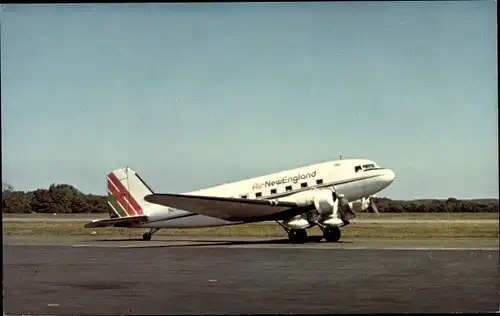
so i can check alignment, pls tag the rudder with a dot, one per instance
(126, 191)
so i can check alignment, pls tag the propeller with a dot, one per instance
(345, 208)
(372, 207)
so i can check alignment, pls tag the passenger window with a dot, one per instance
(258, 194)
(243, 196)
(319, 181)
(303, 184)
(357, 168)
(273, 191)
(288, 188)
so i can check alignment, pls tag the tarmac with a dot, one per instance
(223, 275)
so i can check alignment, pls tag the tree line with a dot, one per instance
(64, 198)
(451, 204)
(58, 198)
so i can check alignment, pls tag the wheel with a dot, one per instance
(332, 234)
(146, 236)
(297, 236)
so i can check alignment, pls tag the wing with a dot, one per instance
(230, 209)
(118, 222)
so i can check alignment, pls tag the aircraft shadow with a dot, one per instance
(211, 242)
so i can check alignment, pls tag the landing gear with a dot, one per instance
(297, 236)
(332, 234)
(147, 236)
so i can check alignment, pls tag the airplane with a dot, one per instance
(324, 194)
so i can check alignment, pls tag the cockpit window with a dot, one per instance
(368, 167)
(357, 168)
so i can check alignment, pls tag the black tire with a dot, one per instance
(146, 236)
(332, 234)
(297, 236)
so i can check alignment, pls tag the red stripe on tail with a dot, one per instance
(119, 196)
(125, 194)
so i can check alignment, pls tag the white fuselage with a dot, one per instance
(354, 178)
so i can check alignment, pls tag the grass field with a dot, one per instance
(270, 229)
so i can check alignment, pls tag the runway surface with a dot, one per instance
(250, 242)
(182, 276)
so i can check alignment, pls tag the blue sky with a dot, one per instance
(194, 95)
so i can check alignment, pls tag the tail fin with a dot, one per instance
(126, 191)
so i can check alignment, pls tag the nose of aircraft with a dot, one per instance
(388, 176)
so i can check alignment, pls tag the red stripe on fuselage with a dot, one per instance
(125, 194)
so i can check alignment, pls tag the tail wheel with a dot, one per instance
(149, 234)
(332, 234)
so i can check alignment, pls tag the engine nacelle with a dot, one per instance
(326, 206)
(297, 223)
(332, 221)
(324, 202)
(322, 199)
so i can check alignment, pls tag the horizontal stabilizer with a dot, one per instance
(118, 222)
(230, 209)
